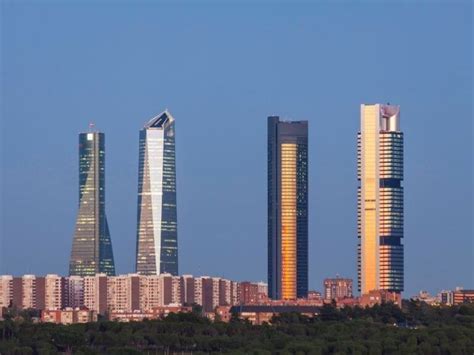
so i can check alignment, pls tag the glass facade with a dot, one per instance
(157, 238)
(380, 199)
(287, 209)
(92, 246)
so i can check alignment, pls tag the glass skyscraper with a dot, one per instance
(157, 237)
(287, 208)
(380, 199)
(92, 246)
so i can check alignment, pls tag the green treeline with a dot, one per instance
(385, 329)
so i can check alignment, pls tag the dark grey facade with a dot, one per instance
(293, 135)
(92, 247)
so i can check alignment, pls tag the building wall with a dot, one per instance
(53, 292)
(157, 243)
(95, 293)
(188, 289)
(287, 209)
(74, 292)
(17, 292)
(380, 199)
(28, 291)
(151, 294)
(248, 292)
(92, 246)
(337, 288)
(207, 294)
(463, 296)
(123, 293)
(6, 290)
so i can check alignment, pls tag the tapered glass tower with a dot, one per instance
(380, 199)
(92, 246)
(157, 237)
(287, 208)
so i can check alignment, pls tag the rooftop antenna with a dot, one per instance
(91, 127)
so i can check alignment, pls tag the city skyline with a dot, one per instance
(221, 87)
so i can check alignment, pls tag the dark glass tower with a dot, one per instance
(157, 236)
(92, 246)
(287, 209)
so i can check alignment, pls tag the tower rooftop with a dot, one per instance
(160, 120)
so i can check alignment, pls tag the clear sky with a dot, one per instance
(221, 70)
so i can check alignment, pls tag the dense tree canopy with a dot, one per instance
(384, 329)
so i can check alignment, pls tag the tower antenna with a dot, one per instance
(91, 127)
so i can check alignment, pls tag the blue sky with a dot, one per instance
(221, 70)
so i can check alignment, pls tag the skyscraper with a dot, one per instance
(157, 237)
(92, 246)
(380, 199)
(287, 209)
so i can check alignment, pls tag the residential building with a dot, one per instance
(314, 295)
(424, 296)
(28, 291)
(446, 297)
(262, 288)
(379, 296)
(151, 294)
(188, 289)
(463, 296)
(6, 290)
(73, 292)
(95, 293)
(53, 292)
(155, 313)
(248, 292)
(123, 293)
(68, 316)
(337, 288)
(259, 314)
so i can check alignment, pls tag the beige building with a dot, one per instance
(53, 292)
(337, 288)
(119, 295)
(95, 293)
(151, 295)
(6, 290)
(122, 294)
(380, 199)
(176, 290)
(28, 291)
(68, 316)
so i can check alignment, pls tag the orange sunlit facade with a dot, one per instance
(380, 199)
(369, 244)
(287, 209)
(288, 220)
